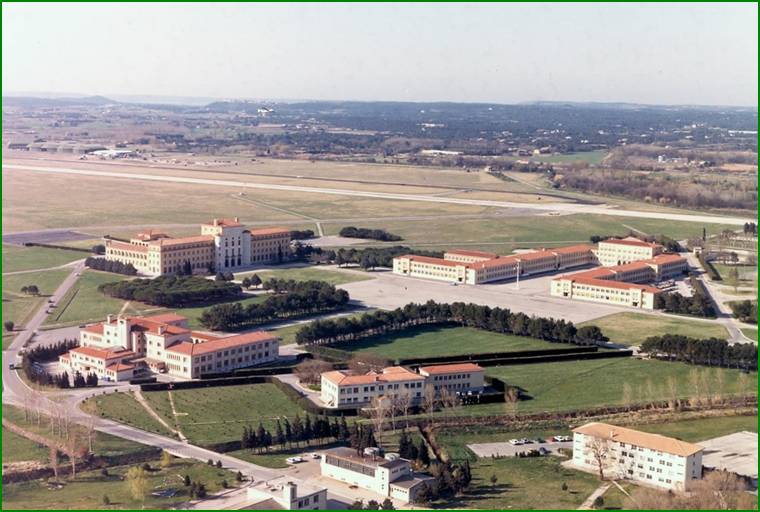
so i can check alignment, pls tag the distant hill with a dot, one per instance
(32, 101)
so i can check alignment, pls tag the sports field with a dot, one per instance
(634, 328)
(444, 341)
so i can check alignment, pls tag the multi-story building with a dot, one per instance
(223, 245)
(339, 388)
(163, 343)
(284, 493)
(475, 267)
(387, 476)
(455, 378)
(621, 284)
(342, 389)
(625, 453)
(617, 251)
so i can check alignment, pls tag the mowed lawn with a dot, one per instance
(124, 408)
(334, 277)
(16, 258)
(217, 414)
(17, 448)
(750, 333)
(703, 428)
(574, 385)
(443, 341)
(84, 303)
(86, 491)
(634, 328)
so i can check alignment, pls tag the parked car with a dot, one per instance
(316, 456)
(525, 441)
(514, 442)
(293, 460)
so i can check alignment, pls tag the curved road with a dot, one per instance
(560, 207)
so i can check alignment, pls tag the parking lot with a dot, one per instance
(506, 449)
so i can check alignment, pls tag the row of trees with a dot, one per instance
(408, 450)
(301, 234)
(308, 431)
(374, 234)
(710, 351)
(172, 291)
(31, 289)
(449, 480)
(500, 320)
(32, 359)
(299, 298)
(116, 267)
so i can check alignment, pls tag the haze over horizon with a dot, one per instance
(666, 54)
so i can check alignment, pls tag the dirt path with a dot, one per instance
(141, 399)
(589, 503)
(176, 414)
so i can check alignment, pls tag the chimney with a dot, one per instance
(109, 318)
(161, 329)
(216, 222)
(237, 219)
(290, 492)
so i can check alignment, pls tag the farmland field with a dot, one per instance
(634, 328)
(443, 341)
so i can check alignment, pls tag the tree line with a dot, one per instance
(368, 258)
(301, 234)
(497, 319)
(318, 429)
(31, 365)
(373, 234)
(708, 352)
(172, 291)
(291, 298)
(115, 267)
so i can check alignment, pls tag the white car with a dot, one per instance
(315, 456)
(293, 460)
(515, 442)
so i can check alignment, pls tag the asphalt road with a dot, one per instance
(559, 207)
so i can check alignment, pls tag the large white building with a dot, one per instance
(123, 345)
(624, 453)
(618, 251)
(340, 388)
(286, 494)
(222, 246)
(387, 476)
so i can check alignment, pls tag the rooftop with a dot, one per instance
(227, 223)
(432, 261)
(475, 254)
(637, 438)
(632, 241)
(451, 368)
(216, 344)
(269, 231)
(171, 242)
(103, 353)
(391, 374)
(375, 461)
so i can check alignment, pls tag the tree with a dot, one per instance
(423, 457)
(599, 448)
(219, 463)
(186, 481)
(732, 279)
(255, 281)
(105, 500)
(598, 502)
(98, 249)
(387, 504)
(310, 371)
(493, 480)
(137, 483)
(9, 325)
(238, 476)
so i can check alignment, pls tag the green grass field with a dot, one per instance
(747, 273)
(124, 408)
(17, 258)
(84, 303)
(17, 448)
(86, 491)
(634, 328)
(17, 307)
(573, 385)
(443, 341)
(207, 415)
(702, 429)
(334, 277)
(750, 333)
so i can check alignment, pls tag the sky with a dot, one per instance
(702, 54)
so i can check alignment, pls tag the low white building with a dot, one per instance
(286, 494)
(624, 453)
(455, 378)
(389, 476)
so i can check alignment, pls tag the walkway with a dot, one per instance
(589, 503)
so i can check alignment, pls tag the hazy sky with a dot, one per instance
(505, 53)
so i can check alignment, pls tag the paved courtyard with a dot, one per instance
(735, 452)
(508, 450)
(389, 291)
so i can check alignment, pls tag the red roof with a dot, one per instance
(661, 259)
(614, 284)
(391, 374)
(124, 246)
(476, 254)
(451, 368)
(572, 249)
(94, 329)
(120, 367)
(217, 344)
(432, 261)
(154, 327)
(269, 231)
(228, 223)
(102, 353)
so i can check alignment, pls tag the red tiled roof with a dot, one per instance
(102, 353)
(269, 231)
(433, 261)
(391, 374)
(535, 255)
(572, 249)
(637, 438)
(476, 254)
(154, 327)
(124, 246)
(120, 367)
(451, 368)
(661, 259)
(203, 336)
(217, 344)
(620, 285)
(228, 223)
(94, 329)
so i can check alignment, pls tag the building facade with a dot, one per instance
(223, 245)
(618, 251)
(387, 476)
(163, 343)
(342, 389)
(276, 494)
(624, 453)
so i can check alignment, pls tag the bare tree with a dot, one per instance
(310, 371)
(718, 490)
(599, 449)
(363, 363)
(404, 402)
(53, 454)
(76, 449)
(380, 410)
(429, 400)
(91, 432)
